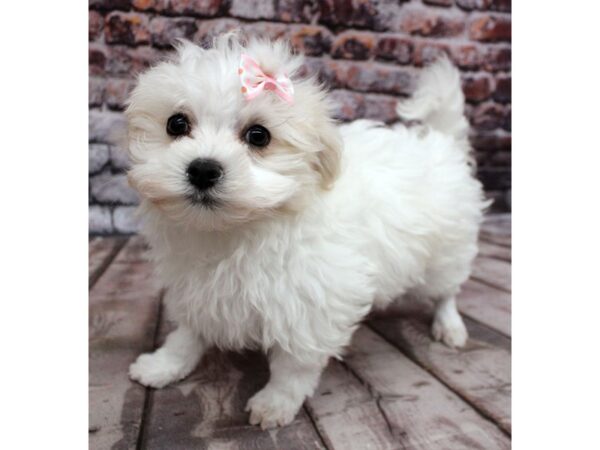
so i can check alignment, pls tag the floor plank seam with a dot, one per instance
(375, 396)
(496, 257)
(486, 416)
(476, 280)
(388, 424)
(372, 391)
(485, 325)
(313, 421)
(119, 244)
(490, 240)
(149, 392)
(489, 284)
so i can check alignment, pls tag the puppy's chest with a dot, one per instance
(281, 287)
(232, 302)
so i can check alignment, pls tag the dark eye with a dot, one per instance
(257, 136)
(178, 125)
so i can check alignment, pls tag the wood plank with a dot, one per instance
(123, 315)
(493, 272)
(496, 228)
(206, 410)
(496, 251)
(488, 335)
(487, 305)
(101, 251)
(347, 414)
(422, 412)
(480, 372)
(211, 406)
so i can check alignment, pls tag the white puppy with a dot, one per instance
(273, 228)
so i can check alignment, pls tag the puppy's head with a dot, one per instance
(206, 156)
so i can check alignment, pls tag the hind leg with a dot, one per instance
(448, 326)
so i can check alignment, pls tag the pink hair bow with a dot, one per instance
(254, 81)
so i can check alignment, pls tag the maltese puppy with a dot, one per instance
(274, 228)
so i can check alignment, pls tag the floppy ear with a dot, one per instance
(329, 156)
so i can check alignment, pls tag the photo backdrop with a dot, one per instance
(367, 51)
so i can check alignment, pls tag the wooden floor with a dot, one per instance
(395, 389)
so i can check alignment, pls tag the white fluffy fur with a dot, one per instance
(310, 233)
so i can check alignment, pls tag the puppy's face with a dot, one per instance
(207, 157)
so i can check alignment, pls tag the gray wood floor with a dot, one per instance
(395, 389)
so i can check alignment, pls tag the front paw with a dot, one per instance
(158, 369)
(270, 408)
(452, 333)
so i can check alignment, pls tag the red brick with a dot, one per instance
(128, 61)
(99, 220)
(495, 141)
(371, 14)
(202, 8)
(438, 2)
(269, 30)
(429, 22)
(497, 59)
(96, 23)
(117, 92)
(489, 116)
(467, 56)
(501, 5)
(96, 59)
(500, 159)
(426, 52)
(150, 5)
(311, 40)
(477, 87)
(296, 10)
(360, 76)
(209, 29)
(252, 9)
(507, 123)
(502, 93)
(464, 56)
(480, 157)
(501, 201)
(126, 28)
(348, 105)
(484, 5)
(474, 4)
(198, 7)
(395, 49)
(381, 107)
(353, 45)
(377, 78)
(325, 72)
(494, 178)
(95, 91)
(112, 189)
(493, 149)
(105, 126)
(98, 157)
(164, 30)
(490, 28)
(109, 5)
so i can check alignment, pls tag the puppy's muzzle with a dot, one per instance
(204, 173)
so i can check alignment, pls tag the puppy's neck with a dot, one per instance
(167, 237)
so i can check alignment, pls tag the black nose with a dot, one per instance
(204, 173)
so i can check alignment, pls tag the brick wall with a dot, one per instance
(368, 52)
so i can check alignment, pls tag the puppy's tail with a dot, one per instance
(438, 100)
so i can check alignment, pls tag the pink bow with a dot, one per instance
(254, 81)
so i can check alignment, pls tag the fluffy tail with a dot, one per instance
(438, 100)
